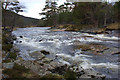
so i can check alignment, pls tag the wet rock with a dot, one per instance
(15, 49)
(20, 42)
(40, 40)
(117, 53)
(21, 36)
(8, 65)
(112, 51)
(14, 37)
(45, 52)
(37, 55)
(93, 74)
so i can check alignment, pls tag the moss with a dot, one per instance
(52, 77)
(70, 75)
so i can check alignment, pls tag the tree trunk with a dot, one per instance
(105, 24)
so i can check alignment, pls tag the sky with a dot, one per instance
(34, 7)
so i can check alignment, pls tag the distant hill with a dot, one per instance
(12, 19)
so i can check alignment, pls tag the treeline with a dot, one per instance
(97, 14)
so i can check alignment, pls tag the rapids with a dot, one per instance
(61, 45)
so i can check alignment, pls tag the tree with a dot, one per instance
(11, 6)
(50, 13)
(117, 11)
(90, 13)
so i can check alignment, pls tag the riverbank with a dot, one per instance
(88, 28)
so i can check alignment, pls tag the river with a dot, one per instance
(64, 47)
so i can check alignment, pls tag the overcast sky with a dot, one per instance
(34, 7)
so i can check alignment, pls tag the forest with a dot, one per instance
(97, 14)
(80, 14)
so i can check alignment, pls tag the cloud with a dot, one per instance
(34, 7)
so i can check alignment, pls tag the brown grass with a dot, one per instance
(114, 26)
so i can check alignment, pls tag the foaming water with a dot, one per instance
(61, 44)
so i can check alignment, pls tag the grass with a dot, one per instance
(114, 26)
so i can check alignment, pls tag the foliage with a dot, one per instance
(97, 14)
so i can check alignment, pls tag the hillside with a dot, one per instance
(12, 19)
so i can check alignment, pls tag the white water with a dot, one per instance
(60, 44)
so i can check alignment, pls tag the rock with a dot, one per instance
(37, 55)
(117, 53)
(46, 60)
(8, 65)
(14, 37)
(15, 49)
(20, 42)
(44, 52)
(40, 40)
(21, 36)
(58, 68)
(94, 74)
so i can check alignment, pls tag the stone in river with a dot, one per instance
(21, 36)
(44, 52)
(20, 42)
(37, 55)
